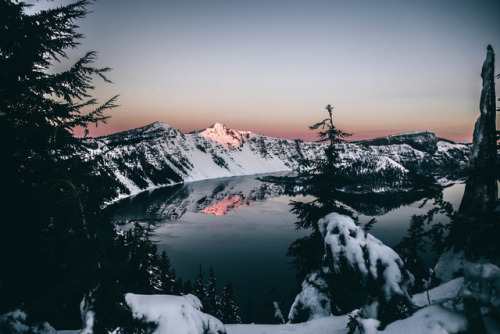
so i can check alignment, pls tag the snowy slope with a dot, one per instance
(158, 154)
(430, 319)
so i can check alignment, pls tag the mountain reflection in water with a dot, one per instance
(243, 227)
(227, 204)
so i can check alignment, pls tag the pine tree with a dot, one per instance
(178, 288)
(212, 303)
(411, 247)
(145, 272)
(249, 313)
(229, 307)
(326, 169)
(199, 287)
(188, 287)
(51, 224)
(167, 274)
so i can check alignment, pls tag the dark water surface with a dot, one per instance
(242, 227)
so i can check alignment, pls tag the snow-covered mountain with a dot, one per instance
(158, 154)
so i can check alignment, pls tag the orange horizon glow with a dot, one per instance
(458, 132)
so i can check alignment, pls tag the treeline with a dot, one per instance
(146, 271)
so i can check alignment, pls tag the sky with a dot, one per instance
(387, 66)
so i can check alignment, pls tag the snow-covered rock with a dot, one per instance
(174, 314)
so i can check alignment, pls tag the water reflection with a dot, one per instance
(227, 204)
(217, 197)
(243, 227)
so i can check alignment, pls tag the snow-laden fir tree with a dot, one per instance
(358, 272)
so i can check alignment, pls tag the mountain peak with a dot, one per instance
(218, 126)
(157, 125)
(224, 136)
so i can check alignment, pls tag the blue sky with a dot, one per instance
(271, 66)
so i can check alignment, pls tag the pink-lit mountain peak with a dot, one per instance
(225, 136)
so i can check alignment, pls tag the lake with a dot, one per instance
(242, 227)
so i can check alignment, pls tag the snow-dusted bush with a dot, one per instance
(14, 322)
(450, 265)
(482, 282)
(174, 314)
(360, 265)
(313, 301)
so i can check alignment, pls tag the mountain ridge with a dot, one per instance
(158, 155)
(217, 125)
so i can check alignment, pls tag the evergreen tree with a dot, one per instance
(52, 224)
(167, 274)
(144, 273)
(326, 169)
(410, 249)
(188, 287)
(212, 302)
(229, 307)
(199, 286)
(249, 313)
(178, 288)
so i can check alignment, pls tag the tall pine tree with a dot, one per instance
(229, 307)
(326, 169)
(167, 274)
(212, 303)
(55, 239)
(199, 289)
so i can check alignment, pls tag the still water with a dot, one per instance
(242, 227)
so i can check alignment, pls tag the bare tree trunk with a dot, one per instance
(481, 191)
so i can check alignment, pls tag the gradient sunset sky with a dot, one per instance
(387, 66)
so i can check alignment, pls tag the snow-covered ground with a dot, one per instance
(182, 315)
(329, 325)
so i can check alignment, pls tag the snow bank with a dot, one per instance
(448, 290)
(174, 314)
(329, 325)
(430, 320)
